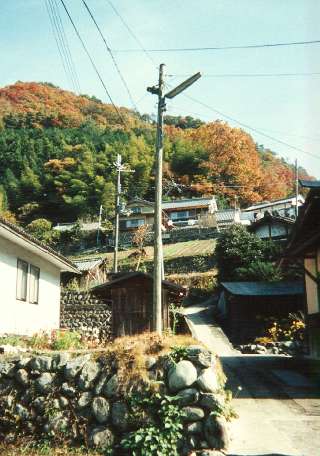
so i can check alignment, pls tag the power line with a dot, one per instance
(92, 63)
(246, 75)
(134, 36)
(67, 48)
(112, 56)
(255, 130)
(57, 38)
(63, 44)
(224, 48)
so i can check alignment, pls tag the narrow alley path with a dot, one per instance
(279, 404)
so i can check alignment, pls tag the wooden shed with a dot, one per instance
(132, 296)
(240, 304)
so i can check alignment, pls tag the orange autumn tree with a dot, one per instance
(233, 166)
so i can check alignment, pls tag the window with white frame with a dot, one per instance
(28, 277)
(22, 280)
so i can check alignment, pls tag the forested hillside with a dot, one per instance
(57, 151)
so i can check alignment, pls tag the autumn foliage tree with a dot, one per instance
(57, 151)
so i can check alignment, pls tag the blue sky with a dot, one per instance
(287, 108)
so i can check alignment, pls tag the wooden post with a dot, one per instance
(157, 275)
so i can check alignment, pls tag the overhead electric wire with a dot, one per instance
(224, 48)
(255, 130)
(134, 36)
(58, 43)
(63, 44)
(180, 108)
(245, 75)
(112, 56)
(67, 48)
(92, 62)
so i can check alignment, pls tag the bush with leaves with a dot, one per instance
(42, 230)
(237, 248)
(258, 271)
(162, 436)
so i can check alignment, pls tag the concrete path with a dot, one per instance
(279, 403)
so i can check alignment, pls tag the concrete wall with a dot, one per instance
(21, 317)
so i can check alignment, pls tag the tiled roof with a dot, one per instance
(34, 241)
(264, 288)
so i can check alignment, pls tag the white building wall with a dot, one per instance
(21, 317)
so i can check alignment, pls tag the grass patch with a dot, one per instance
(131, 352)
(54, 340)
(43, 448)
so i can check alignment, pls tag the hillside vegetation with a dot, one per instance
(57, 151)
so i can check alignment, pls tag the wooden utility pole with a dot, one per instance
(157, 279)
(296, 188)
(99, 226)
(158, 254)
(121, 168)
(117, 207)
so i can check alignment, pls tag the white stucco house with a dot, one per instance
(30, 282)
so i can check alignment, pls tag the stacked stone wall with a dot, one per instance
(81, 400)
(82, 312)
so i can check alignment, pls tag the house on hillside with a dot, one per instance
(183, 212)
(284, 207)
(305, 244)
(273, 227)
(131, 295)
(240, 303)
(137, 212)
(30, 282)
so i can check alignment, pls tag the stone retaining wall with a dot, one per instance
(86, 314)
(81, 400)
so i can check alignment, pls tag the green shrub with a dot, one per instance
(65, 340)
(238, 249)
(259, 271)
(13, 340)
(162, 437)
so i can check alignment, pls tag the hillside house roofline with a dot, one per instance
(271, 218)
(20, 237)
(273, 203)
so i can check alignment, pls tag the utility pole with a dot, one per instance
(158, 256)
(158, 253)
(99, 225)
(121, 168)
(296, 188)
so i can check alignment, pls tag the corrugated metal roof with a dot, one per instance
(264, 288)
(86, 264)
